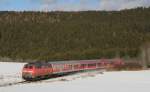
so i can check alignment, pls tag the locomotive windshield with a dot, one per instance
(38, 65)
(28, 66)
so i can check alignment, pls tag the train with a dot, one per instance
(38, 70)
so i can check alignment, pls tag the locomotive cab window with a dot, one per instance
(26, 66)
(38, 66)
(30, 67)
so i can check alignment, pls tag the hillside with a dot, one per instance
(73, 35)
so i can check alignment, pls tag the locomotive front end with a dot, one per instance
(28, 72)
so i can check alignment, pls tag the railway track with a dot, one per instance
(46, 80)
(27, 82)
(13, 83)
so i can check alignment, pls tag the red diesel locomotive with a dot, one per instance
(39, 70)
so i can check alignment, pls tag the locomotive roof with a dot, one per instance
(74, 61)
(37, 63)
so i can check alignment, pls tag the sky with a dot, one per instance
(70, 5)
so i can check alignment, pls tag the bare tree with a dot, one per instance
(145, 55)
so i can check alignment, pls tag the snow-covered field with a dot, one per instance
(121, 81)
(10, 72)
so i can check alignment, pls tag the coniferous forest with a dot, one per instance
(73, 35)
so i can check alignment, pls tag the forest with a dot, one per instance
(78, 35)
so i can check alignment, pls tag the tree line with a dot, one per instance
(73, 35)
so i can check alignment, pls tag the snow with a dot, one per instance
(10, 72)
(117, 81)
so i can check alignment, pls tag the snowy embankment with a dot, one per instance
(10, 72)
(121, 81)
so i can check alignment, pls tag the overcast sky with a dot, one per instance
(70, 5)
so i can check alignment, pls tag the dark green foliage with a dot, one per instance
(130, 66)
(73, 35)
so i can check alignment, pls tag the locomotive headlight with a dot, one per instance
(28, 74)
(27, 71)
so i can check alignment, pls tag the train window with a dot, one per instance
(83, 65)
(42, 66)
(49, 65)
(98, 64)
(30, 67)
(38, 66)
(91, 65)
(70, 66)
(76, 66)
(26, 66)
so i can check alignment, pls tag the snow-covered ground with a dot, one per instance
(120, 81)
(10, 72)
